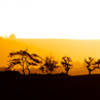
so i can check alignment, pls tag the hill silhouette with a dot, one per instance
(49, 86)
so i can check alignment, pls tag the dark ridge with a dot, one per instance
(55, 86)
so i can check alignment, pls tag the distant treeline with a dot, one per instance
(46, 65)
(11, 36)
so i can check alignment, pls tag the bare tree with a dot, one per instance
(49, 65)
(90, 62)
(66, 62)
(24, 59)
(97, 64)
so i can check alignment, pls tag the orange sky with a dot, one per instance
(76, 49)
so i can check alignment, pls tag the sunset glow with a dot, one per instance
(50, 49)
(70, 19)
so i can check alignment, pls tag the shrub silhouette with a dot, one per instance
(90, 62)
(24, 59)
(66, 62)
(49, 65)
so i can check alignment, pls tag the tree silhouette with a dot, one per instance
(97, 64)
(66, 62)
(49, 65)
(12, 36)
(90, 62)
(24, 59)
(42, 68)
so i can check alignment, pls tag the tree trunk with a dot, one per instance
(23, 66)
(67, 73)
(89, 72)
(98, 65)
(27, 66)
(28, 70)
(23, 71)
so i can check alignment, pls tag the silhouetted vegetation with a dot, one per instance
(97, 64)
(12, 36)
(91, 64)
(46, 65)
(66, 62)
(24, 59)
(57, 83)
(49, 65)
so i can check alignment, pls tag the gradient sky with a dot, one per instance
(74, 19)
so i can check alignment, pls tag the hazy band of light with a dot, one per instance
(53, 35)
(71, 19)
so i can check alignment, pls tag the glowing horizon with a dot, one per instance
(61, 19)
(49, 36)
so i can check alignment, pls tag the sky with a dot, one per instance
(70, 19)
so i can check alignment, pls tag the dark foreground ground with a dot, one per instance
(52, 87)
